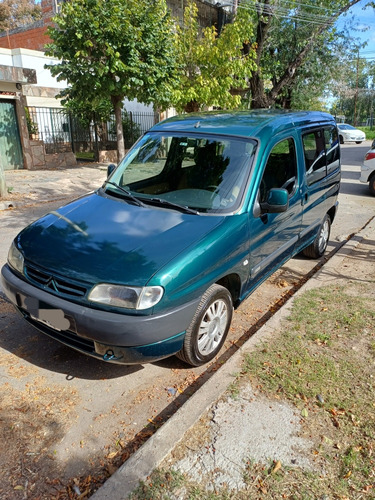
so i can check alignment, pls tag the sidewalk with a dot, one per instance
(27, 187)
(249, 426)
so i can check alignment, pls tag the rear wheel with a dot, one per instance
(319, 245)
(371, 185)
(209, 327)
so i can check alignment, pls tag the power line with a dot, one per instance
(288, 12)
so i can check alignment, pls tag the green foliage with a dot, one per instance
(354, 91)
(299, 52)
(32, 127)
(211, 65)
(112, 49)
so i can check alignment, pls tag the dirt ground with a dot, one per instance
(35, 416)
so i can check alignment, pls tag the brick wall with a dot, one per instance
(33, 39)
(33, 36)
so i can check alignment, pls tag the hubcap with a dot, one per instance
(323, 238)
(212, 327)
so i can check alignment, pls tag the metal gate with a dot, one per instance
(61, 131)
(10, 143)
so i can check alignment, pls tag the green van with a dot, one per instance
(201, 211)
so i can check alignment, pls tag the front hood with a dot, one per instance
(101, 239)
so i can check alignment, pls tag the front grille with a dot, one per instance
(55, 283)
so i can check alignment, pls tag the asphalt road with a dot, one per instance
(116, 404)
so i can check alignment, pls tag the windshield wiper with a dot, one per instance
(182, 208)
(126, 192)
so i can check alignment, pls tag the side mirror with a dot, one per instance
(110, 169)
(277, 201)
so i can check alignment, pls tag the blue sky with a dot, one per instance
(364, 24)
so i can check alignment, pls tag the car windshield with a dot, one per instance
(346, 127)
(205, 174)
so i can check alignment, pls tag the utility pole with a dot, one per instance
(356, 93)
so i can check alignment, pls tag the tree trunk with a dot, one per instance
(191, 107)
(259, 98)
(117, 106)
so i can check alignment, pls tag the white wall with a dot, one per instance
(34, 59)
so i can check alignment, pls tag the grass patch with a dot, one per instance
(321, 361)
(84, 155)
(370, 133)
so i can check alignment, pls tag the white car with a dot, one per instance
(368, 169)
(348, 133)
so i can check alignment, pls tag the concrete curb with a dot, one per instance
(151, 454)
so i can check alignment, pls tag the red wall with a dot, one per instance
(30, 37)
(33, 39)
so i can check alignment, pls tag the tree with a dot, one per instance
(354, 90)
(212, 66)
(112, 49)
(15, 13)
(286, 37)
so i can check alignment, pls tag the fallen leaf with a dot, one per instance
(277, 467)
(304, 412)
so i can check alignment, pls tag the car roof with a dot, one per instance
(258, 123)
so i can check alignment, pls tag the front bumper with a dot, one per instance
(113, 337)
(354, 138)
(365, 173)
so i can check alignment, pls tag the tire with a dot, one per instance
(209, 327)
(319, 245)
(341, 139)
(371, 185)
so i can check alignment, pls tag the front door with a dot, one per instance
(273, 237)
(10, 143)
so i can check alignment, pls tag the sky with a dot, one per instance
(364, 24)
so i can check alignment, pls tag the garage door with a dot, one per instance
(10, 143)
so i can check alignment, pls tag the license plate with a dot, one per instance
(53, 318)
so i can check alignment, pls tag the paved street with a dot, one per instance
(105, 411)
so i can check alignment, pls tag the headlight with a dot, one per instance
(126, 296)
(15, 258)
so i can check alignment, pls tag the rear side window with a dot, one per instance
(280, 170)
(331, 140)
(322, 153)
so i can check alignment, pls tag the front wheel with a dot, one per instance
(319, 245)
(209, 327)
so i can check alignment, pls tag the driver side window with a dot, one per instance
(280, 170)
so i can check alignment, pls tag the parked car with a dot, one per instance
(368, 169)
(348, 133)
(200, 212)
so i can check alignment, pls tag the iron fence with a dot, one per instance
(61, 131)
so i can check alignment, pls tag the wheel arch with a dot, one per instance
(332, 213)
(232, 283)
